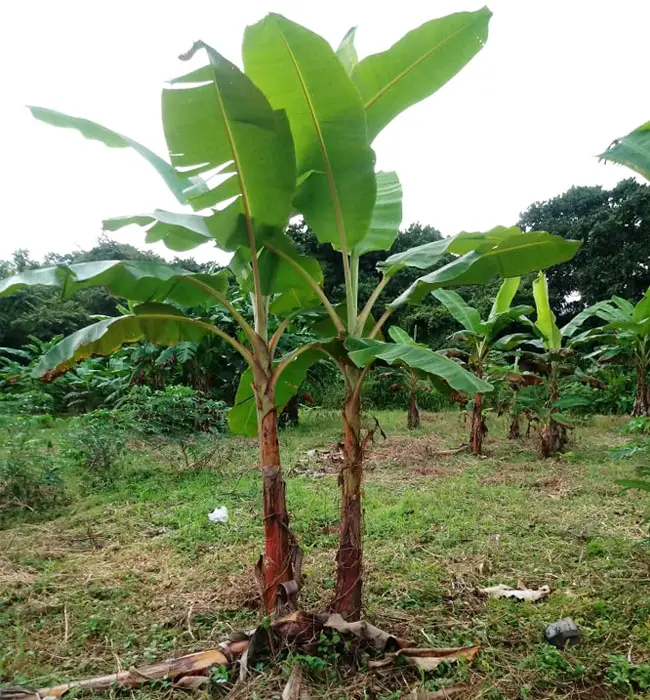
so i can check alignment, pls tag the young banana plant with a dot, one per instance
(408, 377)
(556, 362)
(292, 134)
(481, 337)
(622, 336)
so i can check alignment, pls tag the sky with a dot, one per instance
(557, 81)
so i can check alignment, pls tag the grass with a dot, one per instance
(132, 570)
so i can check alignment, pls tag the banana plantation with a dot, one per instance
(358, 460)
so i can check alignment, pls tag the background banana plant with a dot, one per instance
(407, 377)
(481, 337)
(623, 338)
(292, 135)
(554, 359)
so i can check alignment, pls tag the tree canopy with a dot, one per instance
(615, 227)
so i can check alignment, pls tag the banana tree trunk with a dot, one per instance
(642, 399)
(413, 420)
(479, 428)
(553, 437)
(514, 430)
(349, 559)
(279, 544)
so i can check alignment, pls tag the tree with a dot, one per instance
(292, 135)
(214, 118)
(614, 226)
(623, 338)
(482, 337)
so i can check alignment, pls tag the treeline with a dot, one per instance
(614, 260)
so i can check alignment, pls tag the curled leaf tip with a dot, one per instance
(196, 46)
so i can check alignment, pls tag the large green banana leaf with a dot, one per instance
(510, 256)
(300, 73)
(632, 150)
(277, 275)
(421, 257)
(399, 335)
(504, 296)
(137, 280)
(545, 321)
(224, 135)
(365, 351)
(468, 317)
(642, 310)
(242, 417)
(601, 309)
(157, 323)
(386, 215)
(416, 66)
(181, 232)
(96, 132)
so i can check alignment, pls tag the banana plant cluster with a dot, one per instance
(622, 336)
(482, 337)
(291, 134)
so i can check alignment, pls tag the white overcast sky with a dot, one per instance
(556, 82)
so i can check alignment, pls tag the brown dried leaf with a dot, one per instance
(380, 640)
(294, 689)
(519, 593)
(442, 694)
(430, 659)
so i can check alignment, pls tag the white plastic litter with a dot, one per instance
(219, 515)
(312, 453)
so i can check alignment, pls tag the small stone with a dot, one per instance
(561, 632)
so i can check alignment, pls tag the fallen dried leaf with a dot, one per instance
(380, 640)
(442, 694)
(430, 659)
(294, 690)
(503, 591)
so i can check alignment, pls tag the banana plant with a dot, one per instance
(556, 362)
(632, 150)
(232, 158)
(292, 134)
(482, 337)
(622, 336)
(408, 378)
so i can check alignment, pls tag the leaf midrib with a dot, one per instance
(414, 65)
(321, 143)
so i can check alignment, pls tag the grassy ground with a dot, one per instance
(134, 571)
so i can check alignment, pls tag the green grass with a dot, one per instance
(135, 572)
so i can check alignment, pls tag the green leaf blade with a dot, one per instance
(418, 65)
(301, 74)
(386, 215)
(507, 255)
(632, 150)
(218, 124)
(468, 317)
(106, 336)
(112, 139)
(365, 351)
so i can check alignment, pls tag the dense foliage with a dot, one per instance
(592, 214)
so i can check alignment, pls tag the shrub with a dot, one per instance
(175, 411)
(181, 417)
(97, 442)
(381, 391)
(30, 476)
